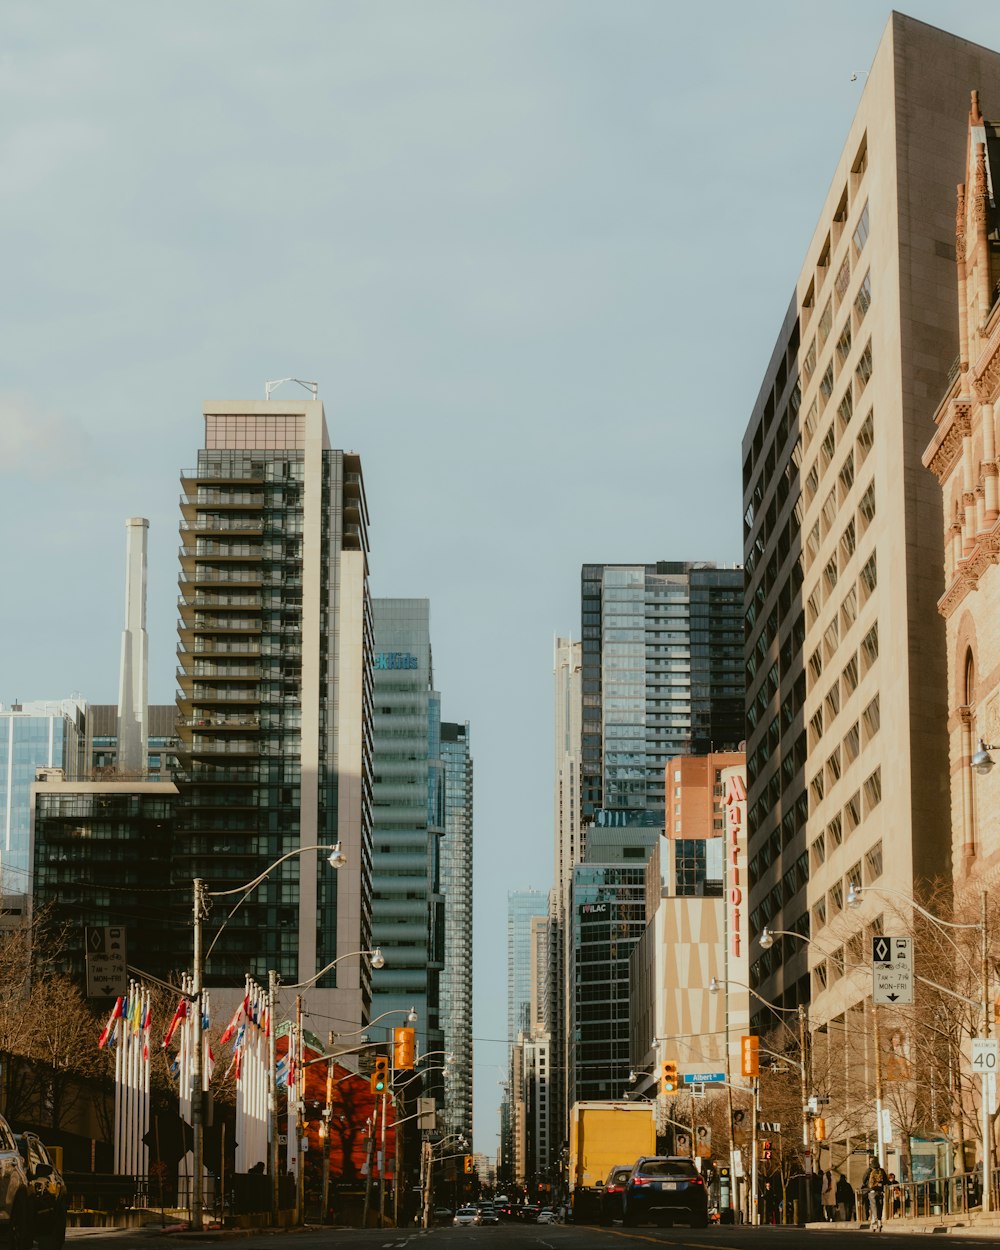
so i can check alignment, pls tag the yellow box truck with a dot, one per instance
(603, 1135)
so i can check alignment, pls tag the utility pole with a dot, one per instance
(879, 1132)
(197, 1057)
(806, 1143)
(300, 1093)
(331, 1036)
(986, 1079)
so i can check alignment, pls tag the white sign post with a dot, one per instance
(892, 970)
(985, 1058)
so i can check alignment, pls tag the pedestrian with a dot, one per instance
(845, 1198)
(828, 1197)
(873, 1185)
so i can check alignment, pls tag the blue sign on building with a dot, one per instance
(395, 659)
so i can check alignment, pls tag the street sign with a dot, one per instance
(698, 1090)
(892, 969)
(769, 1126)
(985, 1056)
(704, 1078)
(106, 962)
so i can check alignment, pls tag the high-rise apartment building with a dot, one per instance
(456, 886)
(845, 655)
(274, 706)
(662, 650)
(408, 910)
(43, 734)
(568, 828)
(525, 984)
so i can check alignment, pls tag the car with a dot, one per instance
(442, 1215)
(487, 1215)
(466, 1215)
(528, 1213)
(15, 1193)
(614, 1187)
(547, 1216)
(661, 1188)
(48, 1192)
(506, 1211)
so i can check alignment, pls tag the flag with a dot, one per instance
(107, 1035)
(231, 1027)
(147, 1022)
(179, 1015)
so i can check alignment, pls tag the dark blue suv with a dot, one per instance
(665, 1188)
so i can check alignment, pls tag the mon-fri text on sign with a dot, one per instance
(106, 972)
(892, 969)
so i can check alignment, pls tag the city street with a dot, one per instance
(527, 1237)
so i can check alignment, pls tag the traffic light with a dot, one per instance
(765, 1149)
(669, 1083)
(819, 1128)
(380, 1077)
(403, 1048)
(467, 1164)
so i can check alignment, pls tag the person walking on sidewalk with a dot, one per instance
(829, 1197)
(873, 1184)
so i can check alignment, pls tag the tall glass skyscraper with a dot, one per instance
(662, 676)
(32, 735)
(408, 916)
(456, 886)
(525, 977)
(274, 706)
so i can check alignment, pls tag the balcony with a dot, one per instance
(210, 721)
(207, 497)
(219, 646)
(224, 746)
(205, 575)
(193, 480)
(223, 525)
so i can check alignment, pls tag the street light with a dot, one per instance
(336, 859)
(982, 761)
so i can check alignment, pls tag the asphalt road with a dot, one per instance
(524, 1237)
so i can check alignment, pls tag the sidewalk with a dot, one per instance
(973, 1225)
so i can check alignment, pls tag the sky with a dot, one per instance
(536, 255)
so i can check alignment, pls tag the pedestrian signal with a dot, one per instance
(765, 1149)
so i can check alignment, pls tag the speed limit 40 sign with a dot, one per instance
(984, 1055)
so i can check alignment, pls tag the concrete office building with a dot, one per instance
(962, 455)
(274, 706)
(408, 910)
(456, 886)
(845, 654)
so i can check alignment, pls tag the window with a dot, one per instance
(828, 514)
(833, 768)
(869, 648)
(826, 384)
(863, 299)
(853, 875)
(845, 410)
(866, 438)
(843, 278)
(818, 851)
(873, 790)
(849, 609)
(869, 577)
(819, 914)
(813, 605)
(847, 542)
(835, 831)
(852, 812)
(809, 361)
(849, 677)
(830, 574)
(816, 664)
(812, 482)
(828, 446)
(835, 899)
(863, 372)
(816, 790)
(846, 476)
(831, 638)
(852, 743)
(873, 863)
(825, 323)
(860, 236)
(811, 419)
(871, 717)
(816, 727)
(819, 975)
(833, 701)
(866, 507)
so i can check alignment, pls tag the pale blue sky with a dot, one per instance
(535, 254)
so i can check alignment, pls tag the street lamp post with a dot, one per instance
(336, 859)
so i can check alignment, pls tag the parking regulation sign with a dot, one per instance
(892, 969)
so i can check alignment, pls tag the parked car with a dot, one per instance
(661, 1188)
(614, 1188)
(48, 1192)
(15, 1193)
(466, 1215)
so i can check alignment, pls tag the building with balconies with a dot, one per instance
(274, 706)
